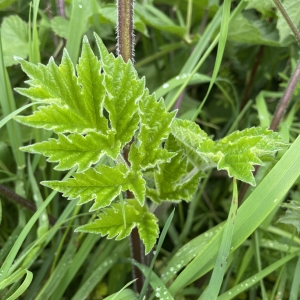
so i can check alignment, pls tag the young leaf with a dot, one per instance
(76, 150)
(238, 152)
(124, 90)
(173, 180)
(111, 223)
(70, 97)
(188, 137)
(155, 126)
(101, 184)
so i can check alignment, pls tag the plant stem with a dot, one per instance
(125, 48)
(288, 93)
(125, 35)
(7, 193)
(285, 100)
(288, 20)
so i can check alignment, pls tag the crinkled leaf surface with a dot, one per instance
(173, 180)
(73, 96)
(110, 222)
(155, 127)
(101, 184)
(238, 152)
(124, 90)
(76, 150)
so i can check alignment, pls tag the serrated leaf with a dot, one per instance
(292, 8)
(60, 26)
(57, 118)
(155, 126)
(110, 222)
(82, 95)
(189, 136)
(238, 152)
(173, 180)
(76, 150)
(124, 90)
(101, 184)
(14, 37)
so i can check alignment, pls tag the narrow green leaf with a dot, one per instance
(111, 223)
(102, 184)
(76, 150)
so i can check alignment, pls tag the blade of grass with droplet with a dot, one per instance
(251, 214)
(76, 29)
(159, 244)
(80, 257)
(99, 272)
(248, 283)
(216, 279)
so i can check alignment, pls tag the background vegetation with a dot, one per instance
(184, 50)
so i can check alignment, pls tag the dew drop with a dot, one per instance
(80, 6)
(166, 85)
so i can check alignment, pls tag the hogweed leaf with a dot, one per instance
(93, 90)
(58, 118)
(101, 184)
(124, 89)
(155, 127)
(68, 94)
(188, 136)
(76, 150)
(110, 222)
(238, 152)
(174, 180)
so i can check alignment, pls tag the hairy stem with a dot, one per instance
(125, 48)
(288, 20)
(125, 33)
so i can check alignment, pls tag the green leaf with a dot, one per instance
(82, 95)
(254, 31)
(264, 7)
(101, 184)
(292, 214)
(60, 26)
(110, 222)
(155, 126)
(14, 36)
(124, 90)
(76, 150)
(292, 8)
(188, 137)
(173, 180)
(238, 152)
(57, 118)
